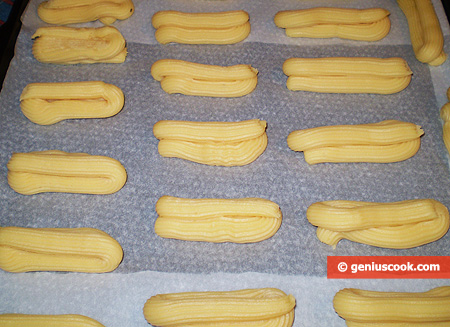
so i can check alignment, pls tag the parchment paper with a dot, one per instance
(293, 258)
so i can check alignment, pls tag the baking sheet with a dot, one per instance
(293, 254)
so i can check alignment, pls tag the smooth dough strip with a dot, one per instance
(249, 307)
(383, 142)
(49, 103)
(217, 220)
(347, 75)
(201, 28)
(397, 225)
(212, 143)
(355, 24)
(58, 171)
(62, 12)
(425, 31)
(68, 45)
(372, 308)
(58, 249)
(178, 76)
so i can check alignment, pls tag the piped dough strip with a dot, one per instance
(58, 171)
(445, 115)
(383, 142)
(62, 12)
(243, 220)
(34, 320)
(58, 249)
(49, 103)
(355, 24)
(201, 28)
(372, 308)
(69, 45)
(347, 74)
(425, 31)
(396, 225)
(212, 143)
(249, 307)
(178, 76)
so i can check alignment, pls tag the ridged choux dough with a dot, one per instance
(249, 307)
(244, 220)
(393, 309)
(395, 225)
(58, 249)
(85, 45)
(59, 171)
(371, 24)
(178, 76)
(347, 74)
(62, 12)
(227, 27)
(212, 143)
(445, 115)
(424, 30)
(49, 103)
(35, 320)
(383, 142)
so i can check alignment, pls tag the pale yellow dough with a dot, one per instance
(347, 74)
(178, 76)
(212, 143)
(201, 28)
(250, 307)
(62, 12)
(326, 22)
(243, 220)
(69, 45)
(445, 115)
(58, 249)
(394, 309)
(396, 225)
(49, 103)
(383, 142)
(425, 31)
(58, 171)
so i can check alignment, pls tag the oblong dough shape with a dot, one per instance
(49, 103)
(178, 76)
(328, 15)
(212, 143)
(243, 220)
(373, 308)
(382, 142)
(58, 249)
(222, 19)
(326, 22)
(347, 75)
(445, 115)
(425, 31)
(397, 225)
(62, 12)
(59, 171)
(86, 45)
(201, 28)
(249, 307)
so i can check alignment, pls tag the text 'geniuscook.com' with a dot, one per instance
(388, 267)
